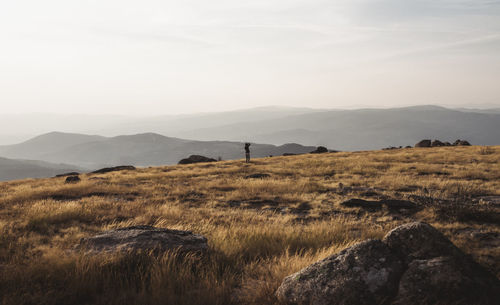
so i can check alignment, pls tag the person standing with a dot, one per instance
(247, 152)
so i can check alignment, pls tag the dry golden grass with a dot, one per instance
(259, 230)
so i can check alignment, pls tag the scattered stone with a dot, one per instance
(72, 179)
(413, 264)
(257, 176)
(196, 159)
(320, 150)
(424, 143)
(113, 169)
(67, 174)
(144, 238)
(437, 143)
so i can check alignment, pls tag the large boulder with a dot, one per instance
(366, 273)
(196, 159)
(418, 240)
(444, 280)
(413, 264)
(424, 143)
(144, 238)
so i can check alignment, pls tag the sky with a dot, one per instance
(167, 57)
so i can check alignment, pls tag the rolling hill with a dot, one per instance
(147, 149)
(12, 169)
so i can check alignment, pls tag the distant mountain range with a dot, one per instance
(148, 149)
(167, 139)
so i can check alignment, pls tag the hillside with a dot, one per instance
(147, 149)
(13, 169)
(258, 230)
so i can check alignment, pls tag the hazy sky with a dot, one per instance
(161, 56)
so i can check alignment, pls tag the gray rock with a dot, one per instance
(144, 238)
(424, 143)
(257, 176)
(366, 273)
(320, 150)
(446, 280)
(196, 159)
(414, 264)
(113, 169)
(391, 204)
(418, 240)
(72, 179)
(437, 143)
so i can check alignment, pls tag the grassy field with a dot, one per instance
(259, 230)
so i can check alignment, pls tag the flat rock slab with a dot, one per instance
(113, 169)
(257, 176)
(391, 204)
(144, 238)
(413, 265)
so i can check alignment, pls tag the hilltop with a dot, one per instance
(258, 230)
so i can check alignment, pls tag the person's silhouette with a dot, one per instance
(247, 152)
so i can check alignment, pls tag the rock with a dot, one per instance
(391, 204)
(72, 179)
(408, 146)
(445, 280)
(144, 238)
(413, 264)
(447, 144)
(289, 154)
(437, 143)
(461, 143)
(418, 240)
(366, 273)
(67, 174)
(320, 150)
(196, 159)
(424, 143)
(257, 176)
(113, 169)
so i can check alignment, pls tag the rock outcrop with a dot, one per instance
(114, 169)
(391, 204)
(320, 150)
(413, 264)
(461, 143)
(196, 159)
(144, 238)
(67, 174)
(258, 176)
(437, 143)
(72, 179)
(424, 143)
